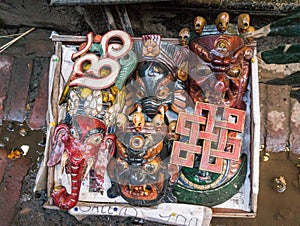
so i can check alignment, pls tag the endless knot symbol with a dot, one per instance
(215, 139)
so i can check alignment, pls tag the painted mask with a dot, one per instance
(82, 148)
(222, 22)
(184, 36)
(199, 24)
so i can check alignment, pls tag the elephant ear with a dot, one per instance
(60, 137)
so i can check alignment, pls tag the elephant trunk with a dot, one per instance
(60, 196)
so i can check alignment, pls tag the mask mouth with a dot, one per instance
(143, 192)
(141, 188)
(150, 106)
(223, 29)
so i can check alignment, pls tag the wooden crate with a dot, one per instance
(170, 213)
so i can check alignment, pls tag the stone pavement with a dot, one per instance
(23, 99)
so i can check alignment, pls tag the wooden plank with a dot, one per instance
(6, 64)
(56, 82)
(108, 17)
(15, 107)
(37, 14)
(80, 39)
(99, 2)
(124, 18)
(256, 124)
(54, 104)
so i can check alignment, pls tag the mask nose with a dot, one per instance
(220, 87)
(136, 177)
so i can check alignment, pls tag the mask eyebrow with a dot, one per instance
(94, 131)
(166, 80)
(139, 80)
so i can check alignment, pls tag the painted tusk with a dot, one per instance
(64, 159)
(139, 108)
(90, 163)
(161, 109)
